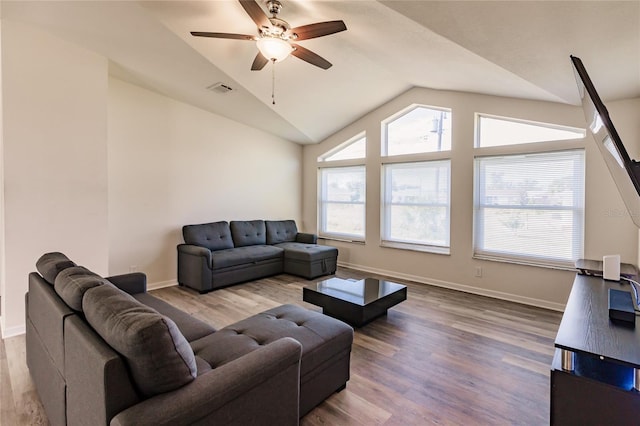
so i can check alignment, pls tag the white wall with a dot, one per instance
(527, 284)
(171, 164)
(55, 144)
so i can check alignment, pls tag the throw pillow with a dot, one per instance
(159, 357)
(72, 283)
(51, 264)
(214, 236)
(281, 231)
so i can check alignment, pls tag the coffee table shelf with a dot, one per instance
(355, 302)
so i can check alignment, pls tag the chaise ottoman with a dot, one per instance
(326, 347)
(309, 260)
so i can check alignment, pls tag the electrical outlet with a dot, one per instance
(133, 268)
(478, 271)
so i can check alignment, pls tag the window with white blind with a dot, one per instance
(342, 202)
(416, 205)
(530, 207)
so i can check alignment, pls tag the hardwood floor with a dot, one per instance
(440, 357)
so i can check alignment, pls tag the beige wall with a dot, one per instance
(55, 145)
(605, 234)
(3, 279)
(171, 164)
(108, 173)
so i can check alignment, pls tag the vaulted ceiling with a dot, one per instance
(505, 48)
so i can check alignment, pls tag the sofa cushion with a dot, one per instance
(280, 231)
(51, 264)
(307, 252)
(321, 336)
(72, 283)
(214, 236)
(159, 357)
(244, 255)
(248, 233)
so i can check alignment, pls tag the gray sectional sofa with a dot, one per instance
(105, 352)
(220, 254)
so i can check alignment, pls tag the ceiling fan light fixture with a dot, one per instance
(274, 49)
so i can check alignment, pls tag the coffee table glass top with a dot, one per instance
(361, 292)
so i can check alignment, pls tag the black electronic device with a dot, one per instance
(621, 307)
(624, 170)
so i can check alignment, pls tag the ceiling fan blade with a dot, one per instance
(318, 29)
(223, 35)
(256, 13)
(259, 62)
(308, 56)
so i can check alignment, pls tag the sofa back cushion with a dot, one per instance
(214, 236)
(281, 231)
(72, 283)
(248, 233)
(159, 357)
(51, 264)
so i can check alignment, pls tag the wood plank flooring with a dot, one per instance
(441, 357)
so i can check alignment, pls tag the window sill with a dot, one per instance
(416, 247)
(340, 239)
(563, 266)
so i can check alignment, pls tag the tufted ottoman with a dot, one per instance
(326, 347)
(309, 260)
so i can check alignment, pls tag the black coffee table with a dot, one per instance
(354, 302)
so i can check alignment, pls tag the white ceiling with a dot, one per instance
(506, 48)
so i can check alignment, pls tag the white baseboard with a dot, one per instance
(14, 331)
(161, 284)
(461, 287)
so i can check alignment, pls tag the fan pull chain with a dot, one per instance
(273, 81)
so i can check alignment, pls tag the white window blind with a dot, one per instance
(530, 207)
(342, 202)
(416, 203)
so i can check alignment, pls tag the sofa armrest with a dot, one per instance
(98, 385)
(303, 237)
(133, 283)
(261, 387)
(194, 267)
(193, 250)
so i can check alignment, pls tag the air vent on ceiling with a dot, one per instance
(220, 88)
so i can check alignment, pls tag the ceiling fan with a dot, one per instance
(275, 39)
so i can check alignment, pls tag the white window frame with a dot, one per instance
(410, 158)
(322, 206)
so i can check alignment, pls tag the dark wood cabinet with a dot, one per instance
(594, 374)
